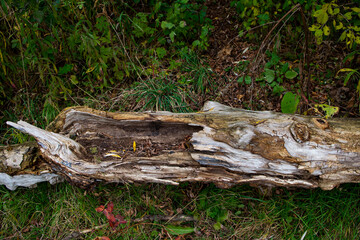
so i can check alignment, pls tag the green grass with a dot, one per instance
(53, 212)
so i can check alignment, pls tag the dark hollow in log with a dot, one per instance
(220, 144)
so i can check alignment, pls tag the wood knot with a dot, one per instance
(321, 123)
(300, 132)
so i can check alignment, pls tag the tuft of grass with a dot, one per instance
(159, 94)
(242, 212)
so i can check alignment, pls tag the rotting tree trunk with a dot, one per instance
(220, 144)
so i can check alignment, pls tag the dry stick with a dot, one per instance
(306, 83)
(295, 8)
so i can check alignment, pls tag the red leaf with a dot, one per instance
(114, 221)
(100, 209)
(110, 207)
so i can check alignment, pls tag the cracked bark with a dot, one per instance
(220, 144)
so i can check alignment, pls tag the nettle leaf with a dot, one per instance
(326, 30)
(291, 74)
(178, 230)
(289, 103)
(269, 75)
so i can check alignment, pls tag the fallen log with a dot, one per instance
(220, 144)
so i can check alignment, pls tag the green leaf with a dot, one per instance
(343, 36)
(217, 226)
(289, 103)
(269, 75)
(65, 69)
(172, 36)
(196, 43)
(329, 110)
(247, 80)
(73, 79)
(168, 25)
(291, 74)
(278, 90)
(178, 230)
(348, 15)
(326, 30)
(356, 9)
(321, 16)
(161, 52)
(182, 24)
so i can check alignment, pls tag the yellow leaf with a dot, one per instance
(134, 146)
(90, 70)
(326, 30)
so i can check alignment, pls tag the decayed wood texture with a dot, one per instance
(19, 167)
(220, 144)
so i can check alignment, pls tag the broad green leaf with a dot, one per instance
(321, 16)
(329, 110)
(178, 230)
(348, 15)
(356, 9)
(291, 74)
(336, 10)
(247, 80)
(269, 75)
(326, 30)
(289, 103)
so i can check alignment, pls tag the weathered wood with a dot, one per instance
(20, 167)
(220, 144)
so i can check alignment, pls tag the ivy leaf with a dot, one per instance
(178, 230)
(291, 74)
(289, 103)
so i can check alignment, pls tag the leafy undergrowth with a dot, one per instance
(243, 212)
